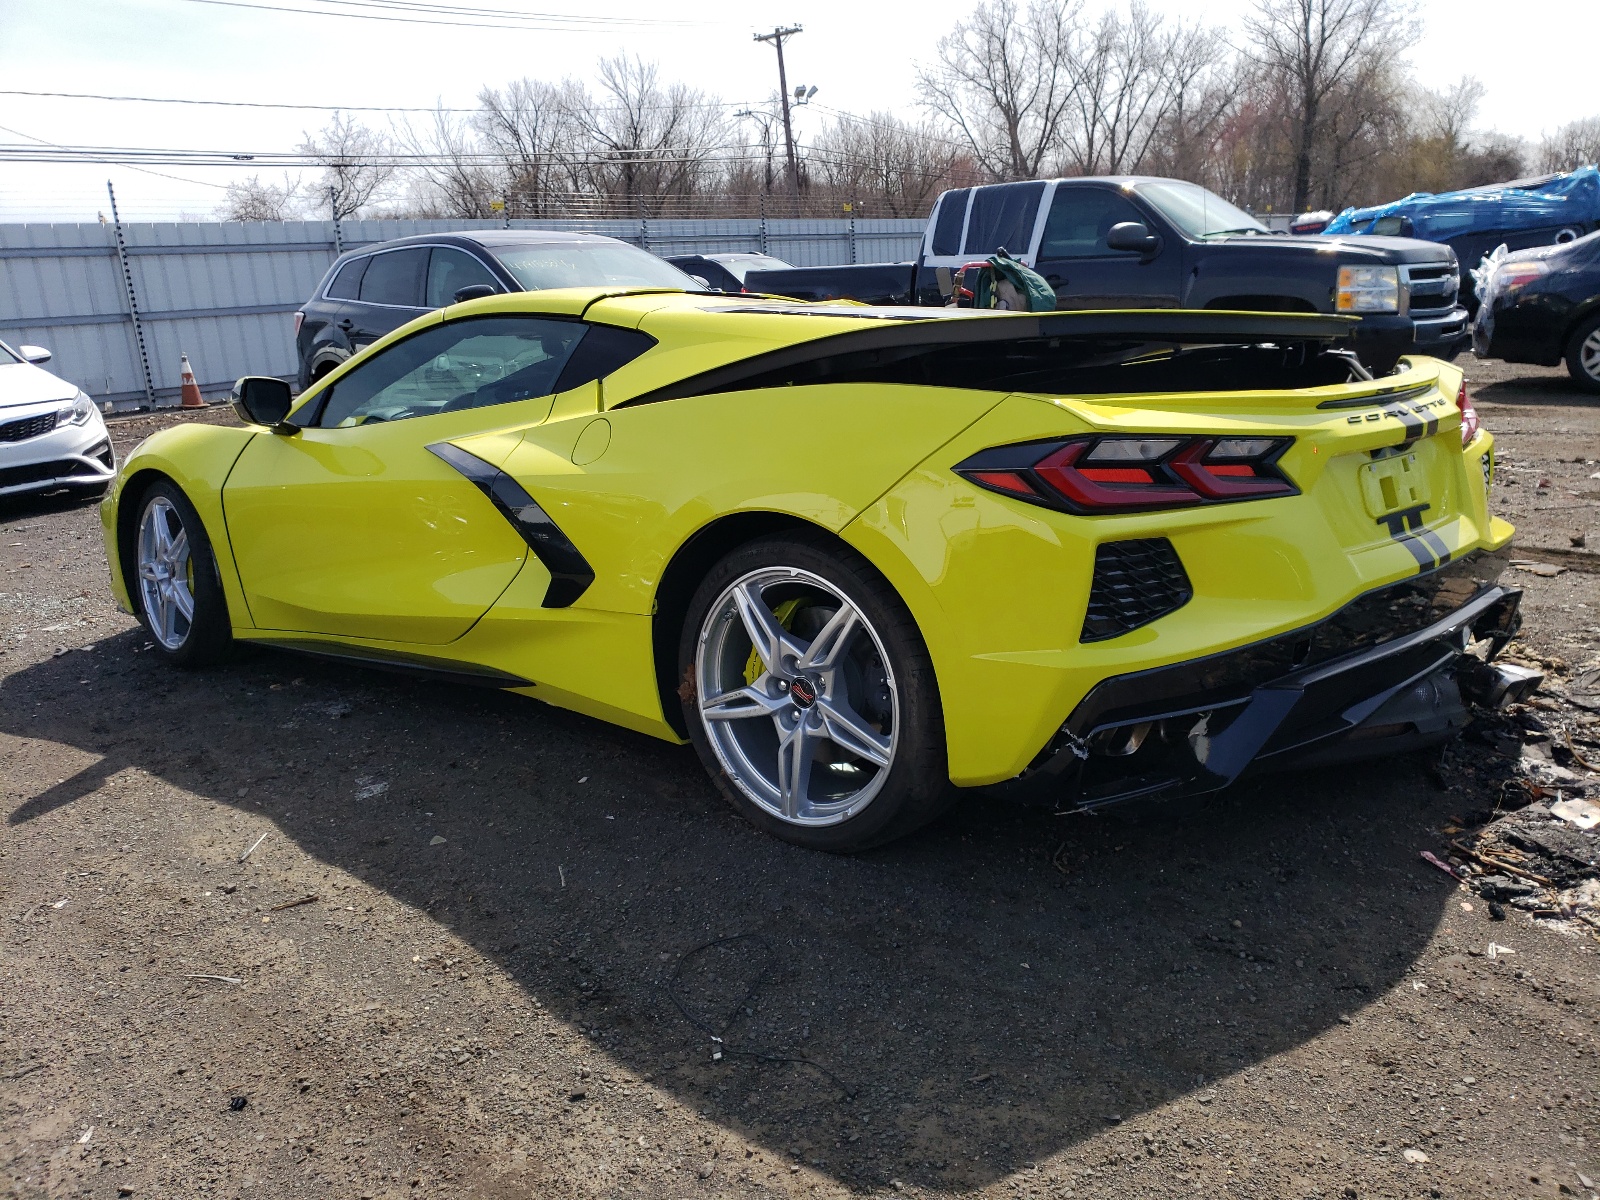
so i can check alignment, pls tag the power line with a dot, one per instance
(547, 23)
(376, 108)
(433, 6)
(58, 146)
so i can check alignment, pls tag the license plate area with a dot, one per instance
(1393, 484)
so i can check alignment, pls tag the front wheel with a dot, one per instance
(1583, 355)
(810, 696)
(175, 583)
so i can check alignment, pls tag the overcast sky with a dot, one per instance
(1536, 58)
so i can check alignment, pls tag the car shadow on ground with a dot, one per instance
(990, 991)
(1536, 391)
(22, 505)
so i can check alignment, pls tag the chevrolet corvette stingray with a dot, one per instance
(860, 557)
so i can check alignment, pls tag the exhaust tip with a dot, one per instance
(1495, 685)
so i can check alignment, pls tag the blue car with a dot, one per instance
(1549, 210)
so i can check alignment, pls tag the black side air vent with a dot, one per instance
(570, 572)
(1135, 582)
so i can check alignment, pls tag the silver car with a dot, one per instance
(51, 434)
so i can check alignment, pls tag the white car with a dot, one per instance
(51, 434)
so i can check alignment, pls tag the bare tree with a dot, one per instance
(1003, 81)
(884, 165)
(254, 199)
(1130, 75)
(533, 128)
(452, 177)
(1574, 145)
(1202, 81)
(1450, 113)
(357, 164)
(1312, 52)
(648, 142)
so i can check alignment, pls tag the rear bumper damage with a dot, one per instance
(1385, 674)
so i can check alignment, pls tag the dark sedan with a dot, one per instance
(1542, 306)
(371, 291)
(725, 272)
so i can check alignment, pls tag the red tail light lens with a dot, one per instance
(1469, 417)
(299, 318)
(1123, 473)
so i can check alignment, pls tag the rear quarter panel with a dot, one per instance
(1000, 587)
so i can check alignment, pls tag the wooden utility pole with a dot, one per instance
(776, 37)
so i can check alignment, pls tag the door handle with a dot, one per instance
(1055, 280)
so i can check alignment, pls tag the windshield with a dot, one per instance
(590, 264)
(1197, 212)
(6, 352)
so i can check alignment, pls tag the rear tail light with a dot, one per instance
(1469, 417)
(1124, 473)
(299, 318)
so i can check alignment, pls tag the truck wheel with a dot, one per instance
(810, 696)
(1583, 355)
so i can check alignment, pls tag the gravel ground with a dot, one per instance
(482, 947)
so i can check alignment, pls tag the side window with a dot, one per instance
(1002, 215)
(947, 228)
(1080, 218)
(395, 278)
(604, 349)
(477, 363)
(450, 270)
(346, 284)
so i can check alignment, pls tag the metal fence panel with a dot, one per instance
(224, 293)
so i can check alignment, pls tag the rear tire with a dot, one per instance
(810, 696)
(1583, 355)
(174, 584)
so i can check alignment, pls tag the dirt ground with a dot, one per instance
(481, 947)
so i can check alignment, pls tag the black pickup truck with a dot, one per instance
(1138, 242)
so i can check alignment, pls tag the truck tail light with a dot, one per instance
(299, 319)
(1129, 473)
(1469, 417)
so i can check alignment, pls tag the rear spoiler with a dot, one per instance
(973, 327)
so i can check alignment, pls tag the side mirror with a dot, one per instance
(37, 355)
(475, 291)
(701, 280)
(263, 400)
(1132, 235)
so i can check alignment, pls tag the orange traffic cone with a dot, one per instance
(189, 389)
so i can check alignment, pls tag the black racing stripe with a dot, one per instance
(1406, 528)
(1435, 543)
(1420, 552)
(570, 572)
(1409, 422)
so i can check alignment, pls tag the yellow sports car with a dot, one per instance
(858, 555)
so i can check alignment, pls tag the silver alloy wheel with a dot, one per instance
(165, 580)
(811, 738)
(1589, 356)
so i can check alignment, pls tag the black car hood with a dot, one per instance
(1384, 251)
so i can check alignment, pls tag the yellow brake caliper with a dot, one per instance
(785, 613)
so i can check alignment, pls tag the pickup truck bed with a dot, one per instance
(1137, 242)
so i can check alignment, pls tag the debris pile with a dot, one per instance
(1535, 847)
